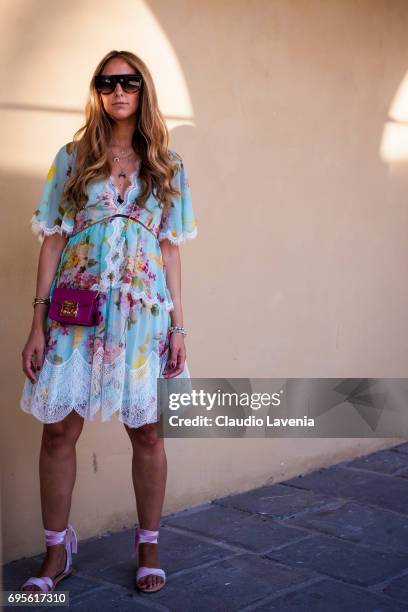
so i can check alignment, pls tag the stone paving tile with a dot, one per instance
(401, 448)
(107, 600)
(398, 588)
(402, 473)
(349, 562)
(101, 552)
(365, 487)
(251, 531)
(276, 501)
(229, 584)
(331, 596)
(177, 552)
(379, 528)
(385, 462)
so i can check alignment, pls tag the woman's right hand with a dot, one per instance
(34, 346)
(50, 255)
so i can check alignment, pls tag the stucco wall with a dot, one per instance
(289, 115)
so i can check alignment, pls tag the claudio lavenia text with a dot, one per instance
(249, 421)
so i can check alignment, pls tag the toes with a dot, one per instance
(150, 581)
(31, 587)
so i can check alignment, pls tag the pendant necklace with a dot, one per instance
(116, 158)
(122, 174)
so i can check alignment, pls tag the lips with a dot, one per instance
(120, 104)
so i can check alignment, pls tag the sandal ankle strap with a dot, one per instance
(144, 535)
(59, 537)
(54, 537)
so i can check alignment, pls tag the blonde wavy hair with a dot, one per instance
(150, 141)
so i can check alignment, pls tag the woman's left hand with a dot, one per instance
(177, 356)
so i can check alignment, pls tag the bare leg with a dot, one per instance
(149, 473)
(57, 468)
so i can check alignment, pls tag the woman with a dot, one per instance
(115, 207)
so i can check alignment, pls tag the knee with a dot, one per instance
(58, 438)
(146, 436)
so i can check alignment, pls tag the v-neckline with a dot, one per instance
(132, 176)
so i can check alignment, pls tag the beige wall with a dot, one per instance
(290, 118)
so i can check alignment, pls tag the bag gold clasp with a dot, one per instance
(69, 308)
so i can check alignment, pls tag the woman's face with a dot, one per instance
(119, 105)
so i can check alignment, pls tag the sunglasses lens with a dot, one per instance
(132, 83)
(129, 82)
(104, 84)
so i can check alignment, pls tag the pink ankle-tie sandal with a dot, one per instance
(141, 536)
(67, 536)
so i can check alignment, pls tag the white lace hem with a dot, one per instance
(181, 238)
(95, 388)
(40, 229)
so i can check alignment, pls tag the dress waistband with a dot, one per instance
(107, 219)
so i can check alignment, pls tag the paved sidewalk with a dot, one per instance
(334, 540)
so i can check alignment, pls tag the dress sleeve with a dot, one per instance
(180, 224)
(52, 214)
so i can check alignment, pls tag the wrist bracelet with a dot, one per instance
(40, 300)
(178, 328)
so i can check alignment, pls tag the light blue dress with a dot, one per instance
(111, 367)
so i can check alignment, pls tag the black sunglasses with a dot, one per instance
(129, 82)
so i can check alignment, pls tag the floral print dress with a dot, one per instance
(112, 366)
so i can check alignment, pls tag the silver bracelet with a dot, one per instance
(178, 328)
